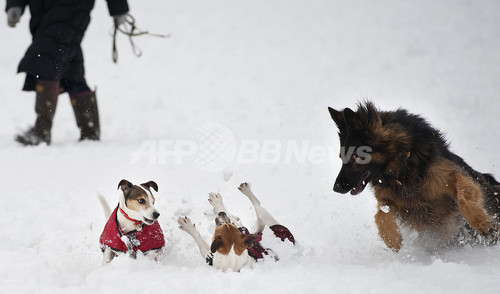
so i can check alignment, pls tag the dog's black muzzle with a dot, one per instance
(341, 187)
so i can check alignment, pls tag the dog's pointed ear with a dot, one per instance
(216, 244)
(352, 120)
(124, 184)
(151, 184)
(337, 116)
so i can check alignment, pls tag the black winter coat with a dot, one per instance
(58, 27)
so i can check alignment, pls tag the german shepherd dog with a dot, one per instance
(418, 182)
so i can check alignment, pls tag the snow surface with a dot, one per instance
(266, 71)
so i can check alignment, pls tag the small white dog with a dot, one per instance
(133, 225)
(233, 247)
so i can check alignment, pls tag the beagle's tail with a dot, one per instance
(105, 206)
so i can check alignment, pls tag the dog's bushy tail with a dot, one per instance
(105, 206)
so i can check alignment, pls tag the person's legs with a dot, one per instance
(47, 92)
(84, 103)
(55, 55)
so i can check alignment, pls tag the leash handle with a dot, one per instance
(132, 32)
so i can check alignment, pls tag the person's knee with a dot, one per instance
(74, 87)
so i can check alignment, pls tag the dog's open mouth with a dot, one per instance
(221, 219)
(148, 221)
(360, 186)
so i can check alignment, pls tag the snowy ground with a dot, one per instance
(262, 74)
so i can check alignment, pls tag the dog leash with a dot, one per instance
(130, 30)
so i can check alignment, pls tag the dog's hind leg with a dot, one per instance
(215, 199)
(108, 255)
(264, 218)
(187, 226)
(470, 204)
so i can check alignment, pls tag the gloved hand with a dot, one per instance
(13, 16)
(120, 19)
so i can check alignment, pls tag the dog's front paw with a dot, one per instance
(245, 188)
(186, 224)
(215, 199)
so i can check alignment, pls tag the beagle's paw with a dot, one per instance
(186, 224)
(215, 199)
(245, 188)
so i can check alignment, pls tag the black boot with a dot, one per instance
(86, 114)
(45, 108)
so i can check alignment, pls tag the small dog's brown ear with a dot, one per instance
(249, 240)
(124, 184)
(151, 184)
(216, 244)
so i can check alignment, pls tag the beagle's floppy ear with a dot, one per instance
(249, 240)
(151, 184)
(124, 184)
(216, 244)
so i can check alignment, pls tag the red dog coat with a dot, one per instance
(257, 251)
(149, 238)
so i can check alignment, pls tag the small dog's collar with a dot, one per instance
(136, 222)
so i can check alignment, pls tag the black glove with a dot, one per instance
(14, 15)
(120, 19)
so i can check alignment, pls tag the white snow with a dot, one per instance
(266, 71)
(385, 208)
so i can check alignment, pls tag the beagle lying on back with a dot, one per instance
(233, 247)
